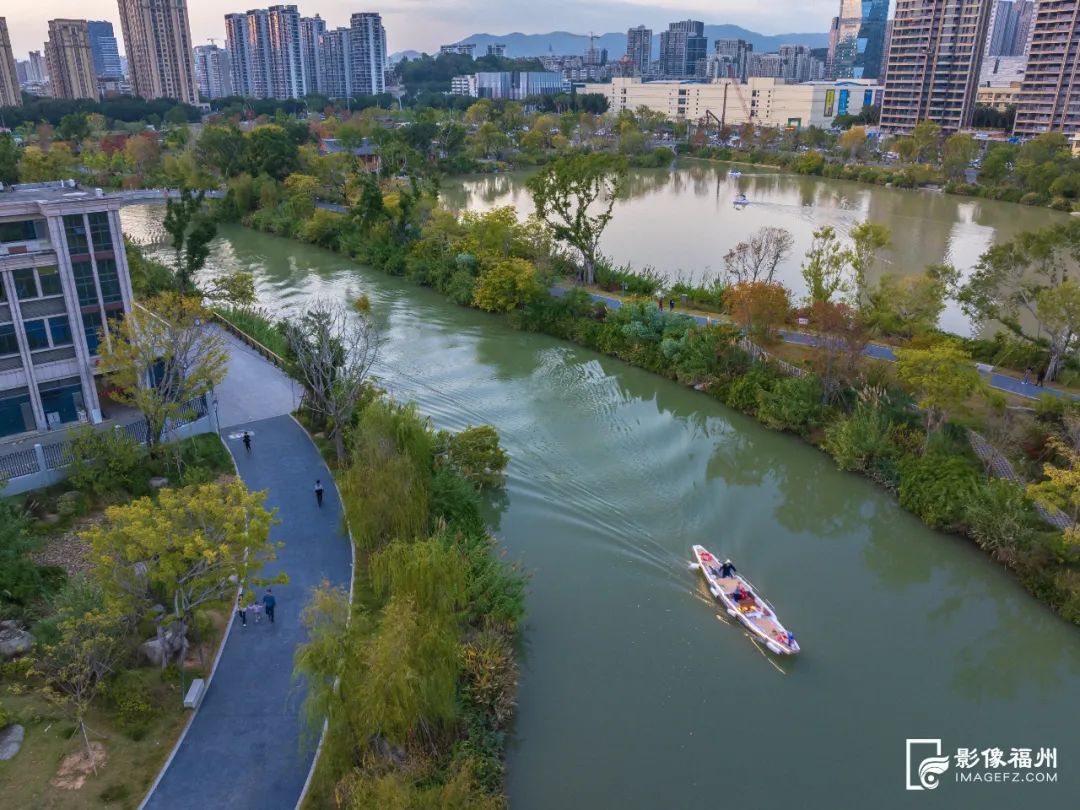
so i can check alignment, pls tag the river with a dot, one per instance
(681, 222)
(636, 693)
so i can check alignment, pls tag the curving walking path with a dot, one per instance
(242, 748)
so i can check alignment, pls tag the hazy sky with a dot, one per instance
(425, 24)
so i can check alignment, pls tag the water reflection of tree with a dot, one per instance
(643, 182)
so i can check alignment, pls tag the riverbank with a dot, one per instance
(941, 481)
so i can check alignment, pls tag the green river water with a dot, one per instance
(635, 692)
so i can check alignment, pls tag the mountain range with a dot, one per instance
(563, 42)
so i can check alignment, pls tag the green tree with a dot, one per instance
(191, 229)
(9, 159)
(476, 455)
(926, 137)
(505, 285)
(73, 127)
(271, 151)
(868, 239)
(908, 305)
(1024, 284)
(187, 548)
(162, 357)
(20, 578)
(943, 378)
(222, 149)
(826, 265)
(565, 190)
(958, 152)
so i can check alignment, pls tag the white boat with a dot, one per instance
(753, 611)
(741, 200)
(734, 173)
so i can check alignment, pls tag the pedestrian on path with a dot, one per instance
(1041, 378)
(268, 602)
(671, 305)
(660, 302)
(318, 491)
(1027, 376)
(241, 608)
(247, 441)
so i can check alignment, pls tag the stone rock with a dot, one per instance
(157, 610)
(11, 739)
(14, 641)
(158, 481)
(160, 651)
(51, 519)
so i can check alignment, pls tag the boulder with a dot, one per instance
(11, 739)
(160, 651)
(158, 481)
(13, 641)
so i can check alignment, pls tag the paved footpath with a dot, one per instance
(242, 749)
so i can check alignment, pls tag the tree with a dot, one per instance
(222, 149)
(9, 159)
(333, 351)
(162, 357)
(825, 267)
(565, 190)
(1060, 491)
(192, 230)
(186, 548)
(73, 127)
(959, 150)
(1023, 284)
(943, 377)
(853, 142)
(758, 306)
(271, 151)
(505, 285)
(925, 138)
(909, 305)
(841, 340)
(758, 258)
(868, 239)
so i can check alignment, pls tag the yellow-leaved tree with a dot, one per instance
(162, 357)
(184, 549)
(943, 378)
(505, 285)
(1061, 489)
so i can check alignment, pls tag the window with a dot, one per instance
(91, 325)
(84, 283)
(75, 231)
(36, 335)
(24, 230)
(49, 280)
(60, 330)
(9, 344)
(25, 283)
(100, 232)
(109, 279)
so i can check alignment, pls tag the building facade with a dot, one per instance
(511, 85)
(1010, 22)
(761, 101)
(639, 50)
(857, 39)
(683, 50)
(460, 48)
(63, 280)
(157, 41)
(731, 59)
(265, 52)
(39, 68)
(212, 71)
(311, 33)
(368, 40)
(934, 60)
(1050, 93)
(71, 62)
(335, 59)
(104, 49)
(10, 94)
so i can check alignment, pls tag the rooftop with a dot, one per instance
(53, 191)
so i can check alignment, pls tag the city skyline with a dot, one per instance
(448, 20)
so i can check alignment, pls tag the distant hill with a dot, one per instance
(399, 55)
(563, 42)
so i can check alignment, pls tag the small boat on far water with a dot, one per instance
(740, 199)
(742, 602)
(734, 173)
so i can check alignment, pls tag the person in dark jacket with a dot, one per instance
(727, 569)
(269, 601)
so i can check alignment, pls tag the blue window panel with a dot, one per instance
(60, 329)
(37, 336)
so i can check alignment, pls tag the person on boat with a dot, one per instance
(727, 569)
(740, 593)
(790, 641)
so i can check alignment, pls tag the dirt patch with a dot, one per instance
(68, 550)
(74, 768)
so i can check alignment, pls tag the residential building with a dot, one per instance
(884, 53)
(766, 66)
(368, 41)
(10, 95)
(212, 72)
(39, 69)
(157, 41)
(311, 32)
(265, 52)
(1010, 22)
(934, 61)
(22, 71)
(1001, 71)
(682, 49)
(857, 39)
(1050, 93)
(997, 96)
(104, 49)
(498, 49)
(762, 101)
(513, 85)
(335, 63)
(639, 50)
(63, 282)
(71, 62)
(461, 48)
(731, 59)
(798, 64)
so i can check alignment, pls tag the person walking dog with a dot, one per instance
(318, 491)
(268, 602)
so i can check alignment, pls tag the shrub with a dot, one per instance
(938, 488)
(1000, 518)
(456, 501)
(107, 461)
(72, 504)
(6, 718)
(857, 440)
(21, 580)
(128, 696)
(743, 392)
(793, 403)
(475, 453)
(490, 674)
